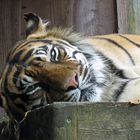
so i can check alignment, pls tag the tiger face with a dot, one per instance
(40, 70)
(51, 67)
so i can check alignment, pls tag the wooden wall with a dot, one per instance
(88, 16)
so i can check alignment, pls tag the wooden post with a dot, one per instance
(128, 16)
(82, 121)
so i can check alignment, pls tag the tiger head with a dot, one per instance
(49, 65)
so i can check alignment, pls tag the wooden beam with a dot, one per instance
(83, 121)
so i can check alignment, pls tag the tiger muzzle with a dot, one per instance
(72, 83)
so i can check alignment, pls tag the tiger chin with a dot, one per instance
(56, 64)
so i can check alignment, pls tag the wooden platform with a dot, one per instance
(83, 121)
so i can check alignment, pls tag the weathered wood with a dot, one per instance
(83, 121)
(122, 16)
(96, 16)
(90, 17)
(128, 16)
(9, 27)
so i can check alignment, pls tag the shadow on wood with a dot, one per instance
(82, 121)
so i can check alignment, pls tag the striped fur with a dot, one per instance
(60, 65)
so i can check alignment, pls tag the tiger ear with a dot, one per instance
(35, 25)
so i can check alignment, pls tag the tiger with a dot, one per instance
(58, 64)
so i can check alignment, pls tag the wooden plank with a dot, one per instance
(9, 27)
(128, 16)
(122, 16)
(83, 121)
(90, 17)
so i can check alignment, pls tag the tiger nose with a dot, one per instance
(72, 83)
